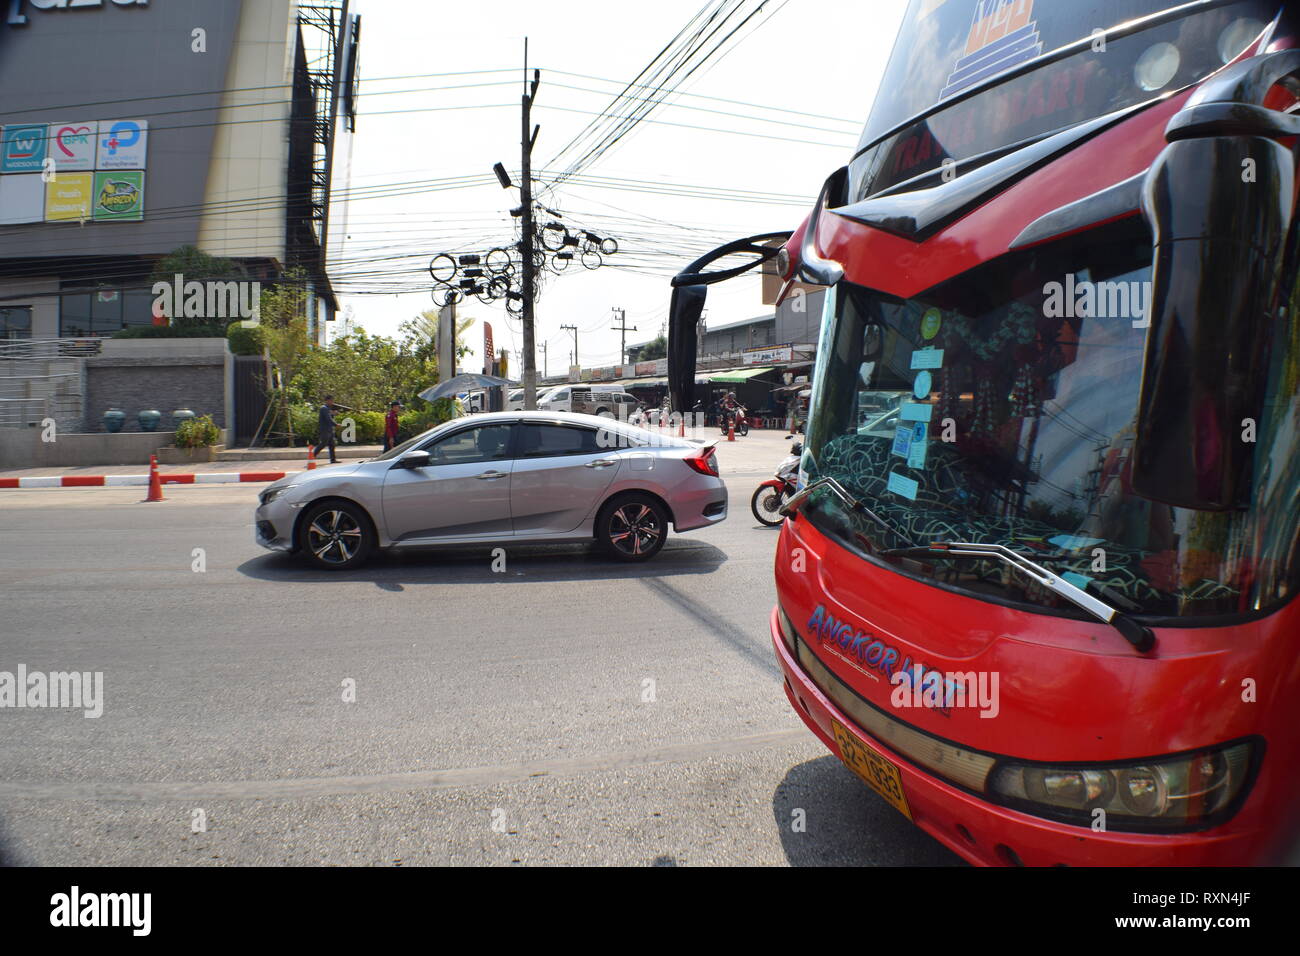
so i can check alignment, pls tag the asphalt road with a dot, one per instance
(564, 711)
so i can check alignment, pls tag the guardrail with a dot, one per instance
(27, 349)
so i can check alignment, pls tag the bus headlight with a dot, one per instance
(787, 628)
(1184, 792)
(1157, 66)
(1237, 36)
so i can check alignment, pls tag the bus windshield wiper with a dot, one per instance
(1135, 633)
(796, 501)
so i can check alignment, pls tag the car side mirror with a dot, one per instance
(414, 459)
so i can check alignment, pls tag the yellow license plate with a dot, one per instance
(876, 772)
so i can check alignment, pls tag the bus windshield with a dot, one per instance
(999, 408)
(947, 48)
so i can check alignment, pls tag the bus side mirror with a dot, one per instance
(1216, 288)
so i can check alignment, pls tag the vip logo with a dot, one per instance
(1002, 35)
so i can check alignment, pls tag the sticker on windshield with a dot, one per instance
(917, 449)
(915, 412)
(1073, 542)
(902, 440)
(1080, 581)
(902, 486)
(921, 387)
(927, 358)
(930, 323)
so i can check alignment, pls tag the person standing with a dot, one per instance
(325, 429)
(391, 425)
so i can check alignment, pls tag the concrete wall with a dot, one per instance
(250, 150)
(23, 448)
(161, 374)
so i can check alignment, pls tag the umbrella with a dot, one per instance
(462, 383)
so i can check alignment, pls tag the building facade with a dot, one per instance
(132, 129)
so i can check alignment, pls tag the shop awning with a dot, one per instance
(738, 375)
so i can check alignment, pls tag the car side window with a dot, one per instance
(484, 443)
(551, 441)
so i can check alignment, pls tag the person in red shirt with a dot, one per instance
(390, 424)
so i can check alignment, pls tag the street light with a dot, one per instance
(503, 177)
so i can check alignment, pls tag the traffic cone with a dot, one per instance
(311, 458)
(731, 428)
(155, 482)
(681, 427)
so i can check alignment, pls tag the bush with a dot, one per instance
(416, 420)
(303, 419)
(198, 432)
(369, 426)
(245, 341)
(206, 330)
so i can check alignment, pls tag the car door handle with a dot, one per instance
(492, 475)
(602, 463)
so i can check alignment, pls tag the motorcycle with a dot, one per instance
(742, 423)
(773, 493)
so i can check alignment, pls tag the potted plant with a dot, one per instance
(196, 440)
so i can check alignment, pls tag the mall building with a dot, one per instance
(129, 129)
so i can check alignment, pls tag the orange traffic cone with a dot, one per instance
(731, 428)
(311, 458)
(155, 482)
(681, 427)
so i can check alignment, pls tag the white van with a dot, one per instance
(515, 400)
(588, 400)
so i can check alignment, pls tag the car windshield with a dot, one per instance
(946, 50)
(1000, 408)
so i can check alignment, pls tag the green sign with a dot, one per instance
(119, 195)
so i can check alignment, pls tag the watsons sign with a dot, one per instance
(19, 9)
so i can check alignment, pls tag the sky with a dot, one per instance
(440, 99)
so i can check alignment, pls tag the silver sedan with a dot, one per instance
(516, 477)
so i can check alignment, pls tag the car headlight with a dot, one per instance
(1186, 792)
(270, 494)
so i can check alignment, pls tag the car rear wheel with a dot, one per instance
(336, 536)
(633, 528)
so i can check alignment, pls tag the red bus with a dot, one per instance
(1037, 584)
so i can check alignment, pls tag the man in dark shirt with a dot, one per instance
(325, 429)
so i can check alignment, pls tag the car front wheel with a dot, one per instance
(633, 528)
(336, 536)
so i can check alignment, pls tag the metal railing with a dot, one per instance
(42, 378)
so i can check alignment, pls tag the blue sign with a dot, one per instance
(23, 149)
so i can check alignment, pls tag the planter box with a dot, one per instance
(171, 455)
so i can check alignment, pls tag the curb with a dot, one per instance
(114, 481)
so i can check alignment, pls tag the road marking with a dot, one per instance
(485, 776)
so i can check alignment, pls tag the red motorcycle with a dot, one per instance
(742, 423)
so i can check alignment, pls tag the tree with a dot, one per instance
(420, 334)
(364, 372)
(654, 349)
(195, 265)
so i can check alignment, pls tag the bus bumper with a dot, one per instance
(987, 834)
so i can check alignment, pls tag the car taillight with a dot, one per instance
(704, 461)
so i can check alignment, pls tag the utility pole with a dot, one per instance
(623, 329)
(574, 330)
(545, 365)
(527, 141)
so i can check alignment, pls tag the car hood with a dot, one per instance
(319, 474)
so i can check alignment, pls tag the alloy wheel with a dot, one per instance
(334, 537)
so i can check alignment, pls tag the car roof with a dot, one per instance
(569, 418)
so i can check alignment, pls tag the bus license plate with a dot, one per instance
(876, 772)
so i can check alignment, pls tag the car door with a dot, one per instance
(560, 472)
(463, 492)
